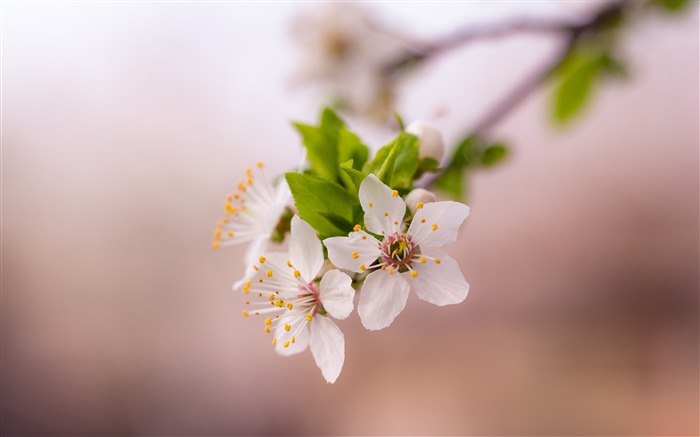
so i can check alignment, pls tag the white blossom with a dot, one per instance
(400, 259)
(296, 306)
(430, 142)
(252, 212)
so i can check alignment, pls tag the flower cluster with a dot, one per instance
(383, 238)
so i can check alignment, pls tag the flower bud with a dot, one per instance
(418, 196)
(430, 140)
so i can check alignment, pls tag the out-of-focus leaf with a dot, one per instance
(672, 5)
(493, 155)
(578, 74)
(451, 181)
(399, 121)
(613, 66)
(315, 197)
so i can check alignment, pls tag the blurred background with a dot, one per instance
(124, 126)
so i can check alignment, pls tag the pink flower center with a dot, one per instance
(398, 250)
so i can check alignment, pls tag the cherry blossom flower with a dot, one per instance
(400, 260)
(297, 306)
(252, 212)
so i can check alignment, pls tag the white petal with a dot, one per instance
(327, 347)
(383, 298)
(440, 284)
(257, 248)
(301, 340)
(437, 224)
(383, 211)
(342, 251)
(305, 250)
(336, 294)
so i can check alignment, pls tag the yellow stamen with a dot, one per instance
(414, 273)
(309, 316)
(246, 287)
(267, 329)
(391, 270)
(394, 193)
(268, 273)
(287, 327)
(290, 306)
(434, 226)
(297, 273)
(355, 255)
(422, 220)
(362, 267)
(272, 296)
(229, 234)
(422, 260)
(386, 214)
(245, 313)
(419, 205)
(215, 245)
(289, 264)
(260, 164)
(262, 259)
(268, 321)
(370, 204)
(357, 228)
(437, 260)
(255, 267)
(286, 343)
(217, 233)
(274, 341)
(294, 339)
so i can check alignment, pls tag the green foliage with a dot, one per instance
(471, 153)
(330, 144)
(577, 77)
(396, 163)
(672, 5)
(352, 178)
(325, 205)
(493, 155)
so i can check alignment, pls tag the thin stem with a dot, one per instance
(571, 34)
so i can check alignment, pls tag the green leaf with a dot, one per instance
(315, 197)
(396, 163)
(451, 181)
(350, 147)
(578, 74)
(374, 165)
(337, 221)
(351, 177)
(322, 151)
(493, 155)
(330, 121)
(673, 5)
(406, 162)
(399, 121)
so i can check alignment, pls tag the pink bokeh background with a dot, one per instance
(124, 126)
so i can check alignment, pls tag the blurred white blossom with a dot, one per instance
(251, 215)
(345, 52)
